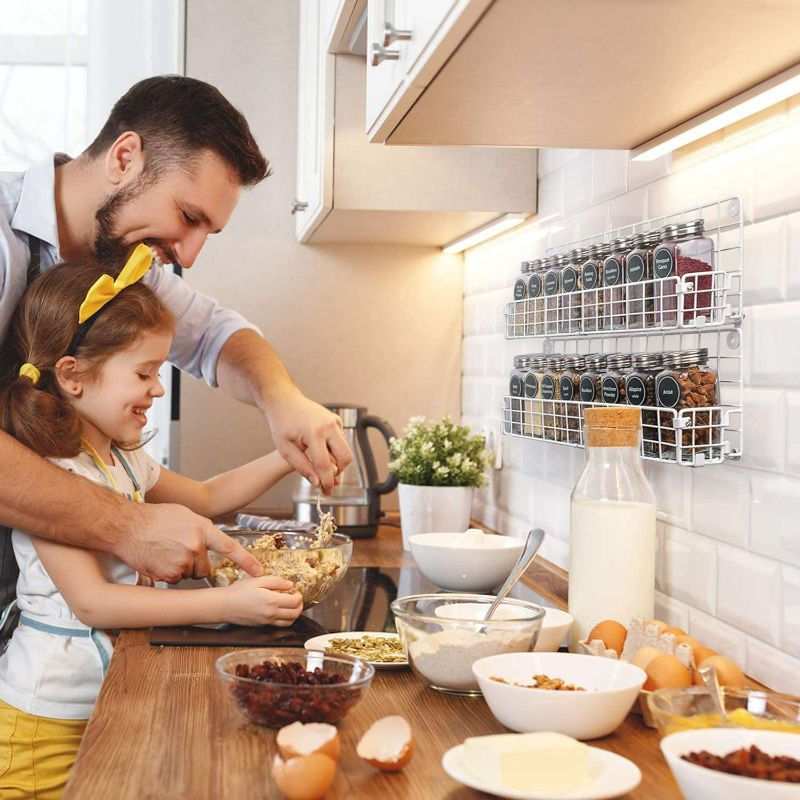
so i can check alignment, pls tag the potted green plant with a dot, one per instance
(439, 464)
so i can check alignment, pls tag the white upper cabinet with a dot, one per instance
(568, 73)
(349, 190)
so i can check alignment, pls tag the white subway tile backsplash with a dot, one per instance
(593, 221)
(609, 174)
(578, 183)
(790, 633)
(777, 173)
(721, 503)
(673, 611)
(793, 432)
(555, 551)
(628, 209)
(773, 668)
(793, 257)
(690, 568)
(749, 593)
(551, 194)
(764, 248)
(775, 356)
(644, 172)
(713, 633)
(765, 431)
(774, 528)
(673, 490)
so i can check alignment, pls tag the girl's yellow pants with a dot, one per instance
(36, 754)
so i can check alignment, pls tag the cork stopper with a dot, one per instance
(617, 426)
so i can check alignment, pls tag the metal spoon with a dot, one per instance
(532, 545)
(709, 676)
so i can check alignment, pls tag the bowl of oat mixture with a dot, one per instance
(442, 647)
(315, 566)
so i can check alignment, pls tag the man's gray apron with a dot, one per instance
(9, 571)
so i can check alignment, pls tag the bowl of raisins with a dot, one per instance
(277, 686)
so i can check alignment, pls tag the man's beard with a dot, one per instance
(108, 247)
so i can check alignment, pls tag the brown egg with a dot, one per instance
(612, 634)
(702, 653)
(728, 672)
(644, 656)
(666, 671)
(686, 639)
(388, 744)
(304, 777)
(676, 631)
(298, 739)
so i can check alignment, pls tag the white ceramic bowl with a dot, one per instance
(701, 783)
(555, 625)
(612, 687)
(454, 561)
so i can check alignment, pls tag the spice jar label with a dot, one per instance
(515, 387)
(586, 389)
(636, 390)
(548, 387)
(551, 282)
(569, 279)
(531, 385)
(612, 272)
(519, 289)
(589, 276)
(668, 392)
(663, 262)
(610, 390)
(567, 388)
(636, 267)
(534, 286)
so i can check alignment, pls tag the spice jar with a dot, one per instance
(569, 388)
(571, 287)
(589, 384)
(533, 394)
(520, 307)
(640, 390)
(613, 285)
(639, 272)
(684, 250)
(552, 287)
(534, 315)
(591, 294)
(612, 383)
(552, 409)
(687, 384)
(516, 390)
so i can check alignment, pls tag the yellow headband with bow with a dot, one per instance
(105, 289)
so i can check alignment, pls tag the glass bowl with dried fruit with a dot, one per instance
(315, 566)
(277, 686)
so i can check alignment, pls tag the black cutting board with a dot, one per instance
(238, 635)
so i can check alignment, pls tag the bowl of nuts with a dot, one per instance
(277, 686)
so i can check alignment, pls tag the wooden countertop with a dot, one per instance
(164, 726)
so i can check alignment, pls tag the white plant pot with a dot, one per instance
(433, 509)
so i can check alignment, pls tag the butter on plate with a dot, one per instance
(528, 762)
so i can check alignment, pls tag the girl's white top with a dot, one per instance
(56, 675)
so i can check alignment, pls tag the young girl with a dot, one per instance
(80, 398)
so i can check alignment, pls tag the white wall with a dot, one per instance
(729, 542)
(369, 324)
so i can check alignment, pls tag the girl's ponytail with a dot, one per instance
(39, 416)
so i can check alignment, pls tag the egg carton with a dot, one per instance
(641, 635)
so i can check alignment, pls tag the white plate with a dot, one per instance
(321, 642)
(610, 775)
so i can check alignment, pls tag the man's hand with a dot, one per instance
(310, 438)
(168, 542)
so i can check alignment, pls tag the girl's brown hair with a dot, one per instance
(41, 416)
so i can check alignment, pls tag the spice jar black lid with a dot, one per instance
(686, 358)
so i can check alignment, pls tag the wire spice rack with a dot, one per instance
(695, 310)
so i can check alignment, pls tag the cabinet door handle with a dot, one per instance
(380, 54)
(392, 34)
(299, 205)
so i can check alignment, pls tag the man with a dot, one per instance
(167, 169)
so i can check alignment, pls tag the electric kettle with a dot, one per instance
(356, 501)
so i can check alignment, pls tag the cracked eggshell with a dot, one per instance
(388, 744)
(304, 777)
(298, 739)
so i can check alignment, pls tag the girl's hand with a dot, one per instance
(263, 601)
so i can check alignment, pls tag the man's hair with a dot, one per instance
(177, 118)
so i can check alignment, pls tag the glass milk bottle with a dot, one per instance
(612, 526)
